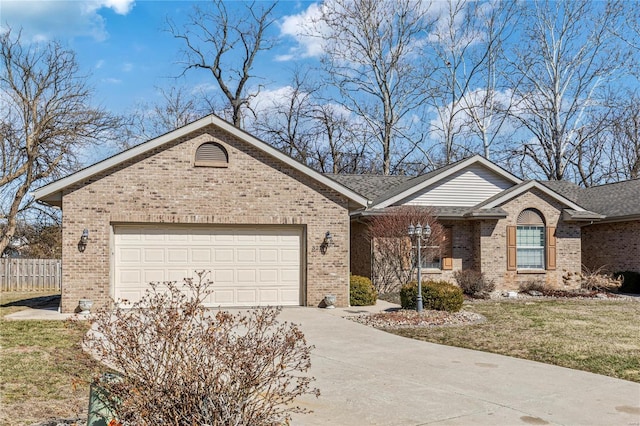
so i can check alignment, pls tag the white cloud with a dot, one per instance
(42, 20)
(127, 67)
(111, 80)
(307, 29)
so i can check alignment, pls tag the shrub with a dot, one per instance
(181, 364)
(630, 281)
(599, 281)
(474, 283)
(436, 295)
(361, 291)
(533, 285)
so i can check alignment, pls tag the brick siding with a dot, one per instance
(493, 236)
(163, 186)
(612, 246)
(482, 245)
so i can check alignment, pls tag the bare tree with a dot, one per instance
(284, 120)
(371, 47)
(226, 44)
(302, 122)
(341, 146)
(625, 139)
(176, 108)
(47, 119)
(560, 72)
(393, 256)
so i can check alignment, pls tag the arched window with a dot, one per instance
(211, 154)
(530, 240)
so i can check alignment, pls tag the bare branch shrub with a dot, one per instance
(393, 257)
(598, 280)
(533, 285)
(474, 283)
(182, 364)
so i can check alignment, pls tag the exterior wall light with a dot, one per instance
(418, 234)
(84, 239)
(328, 241)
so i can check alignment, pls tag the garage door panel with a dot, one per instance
(246, 276)
(269, 296)
(153, 276)
(247, 296)
(223, 276)
(249, 265)
(153, 255)
(289, 255)
(268, 276)
(201, 255)
(289, 297)
(132, 255)
(268, 255)
(289, 275)
(245, 255)
(178, 255)
(130, 276)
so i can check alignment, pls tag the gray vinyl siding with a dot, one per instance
(466, 188)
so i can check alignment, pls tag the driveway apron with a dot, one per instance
(370, 377)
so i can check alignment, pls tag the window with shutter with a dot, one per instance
(211, 154)
(531, 242)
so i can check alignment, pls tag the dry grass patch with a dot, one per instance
(44, 370)
(599, 336)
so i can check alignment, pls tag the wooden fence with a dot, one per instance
(30, 274)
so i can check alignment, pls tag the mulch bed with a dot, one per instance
(409, 318)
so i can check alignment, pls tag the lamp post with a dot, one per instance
(419, 233)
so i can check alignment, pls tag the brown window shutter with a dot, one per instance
(447, 253)
(551, 248)
(512, 263)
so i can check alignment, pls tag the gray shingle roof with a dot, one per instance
(369, 186)
(614, 200)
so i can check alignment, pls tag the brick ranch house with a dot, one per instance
(209, 196)
(512, 230)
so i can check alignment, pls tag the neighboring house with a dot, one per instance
(206, 196)
(209, 196)
(512, 230)
(16, 248)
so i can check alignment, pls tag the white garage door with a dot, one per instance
(249, 266)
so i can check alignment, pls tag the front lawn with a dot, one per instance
(44, 370)
(599, 336)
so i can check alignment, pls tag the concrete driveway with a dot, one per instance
(369, 377)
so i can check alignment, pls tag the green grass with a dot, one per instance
(599, 336)
(44, 371)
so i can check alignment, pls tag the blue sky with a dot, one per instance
(125, 47)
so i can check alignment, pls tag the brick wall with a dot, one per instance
(612, 246)
(493, 236)
(163, 186)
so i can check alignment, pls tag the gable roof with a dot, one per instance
(52, 192)
(616, 201)
(417, 184)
